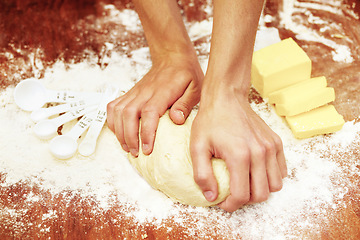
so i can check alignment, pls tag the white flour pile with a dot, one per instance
(308, 189)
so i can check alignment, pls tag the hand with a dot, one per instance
(226, 127)
(173, 81)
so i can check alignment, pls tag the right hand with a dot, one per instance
(174, 82)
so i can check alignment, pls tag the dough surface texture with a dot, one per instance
(169, 167)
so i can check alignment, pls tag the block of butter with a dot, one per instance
(278, 66)
(302, 88)
(306, 101)
(322, 120)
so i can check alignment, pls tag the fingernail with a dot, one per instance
(125, 147)
(145, 148)
(209, 195)
(181, 113)
(134, 152)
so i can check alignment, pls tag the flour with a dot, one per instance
(291, 21)
(108, 177)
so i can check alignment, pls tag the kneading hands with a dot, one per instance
(225, 127)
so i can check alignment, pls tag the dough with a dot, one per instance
(169, 167)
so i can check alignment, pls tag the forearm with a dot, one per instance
(233, 37)
(163, 26)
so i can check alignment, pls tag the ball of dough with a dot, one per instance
(169, 167)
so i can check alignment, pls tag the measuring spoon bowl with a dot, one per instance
(31, 94)
(63, 146)
(46, 129)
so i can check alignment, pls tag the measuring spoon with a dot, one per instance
(31, 94)
(43, 113)
(65, 146)
(47, 128)
(88, 145)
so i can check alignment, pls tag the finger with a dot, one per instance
(259, 186)
(110, 113)
(118, 126)
(115, 108)
(280, 156)
(273, 172)
(149, 122)
(203, 171)
(282, 162)
(181, 109)
(131, 117)
(150, 114)
(239, 166)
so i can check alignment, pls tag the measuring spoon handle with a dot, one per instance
(43, 113)
(69, 96)
(88, 145)
(81, 126)
(71, 115)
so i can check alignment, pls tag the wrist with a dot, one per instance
(225, 87)
(165, 51)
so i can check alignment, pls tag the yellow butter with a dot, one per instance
(278, 66)
(318, 121)
(305, 101)
(302, 88)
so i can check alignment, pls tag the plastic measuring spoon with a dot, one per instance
(43, 113)
(65, 146)
(88, 145)
(31, 94)
(47, 128)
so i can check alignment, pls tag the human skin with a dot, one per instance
(225, 127)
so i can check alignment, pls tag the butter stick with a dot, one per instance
(302, 88)
(278, 66)
(322, 120)
(305, 101)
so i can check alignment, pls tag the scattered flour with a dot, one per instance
(291, 21)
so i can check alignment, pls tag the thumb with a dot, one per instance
(181, 109)
(203, 173)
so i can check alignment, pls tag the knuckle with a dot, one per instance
(184, 106)
(183, 76)
(147, 132)
(149, 109)
(278, 141)
(241, 199)
(260, 152)
(261, 197)
(201, 178)
(269, 146)
(128, 109)
(110, 106)
(117, 108)
(277, 186)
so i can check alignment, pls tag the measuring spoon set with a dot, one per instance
(31, 95)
